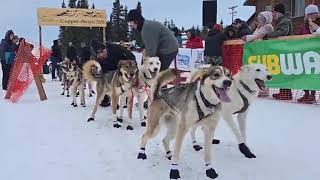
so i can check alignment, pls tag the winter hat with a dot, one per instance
(312, 9)
(236, 21)
(280, 8)
(134, 15)
(217, 27)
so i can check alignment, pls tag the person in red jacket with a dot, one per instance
(193, 40)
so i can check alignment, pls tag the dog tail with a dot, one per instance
(162, 79)
(88, 73)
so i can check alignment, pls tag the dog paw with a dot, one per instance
(142, 156)
(90, 119)
(117, 125)
(143, 124)
(75, 105)
(90, 95)
(211, 173)
(197, 147)
(174, 174)
(68, 95)
(81, 104)
(84, 106)
(129, 128)
(120, 120)
(62, 94)
(215, 141)
(246, 151)
(72, 104)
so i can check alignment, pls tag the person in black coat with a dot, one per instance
(72, 53)
(7, 55)
(109, 55)
(242, 28)
(213, 45)
(56, 57)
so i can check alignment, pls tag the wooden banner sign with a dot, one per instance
(71, 17)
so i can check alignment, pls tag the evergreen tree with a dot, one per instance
(63, 5)
(93, 6)
(72, 3)
(171, 25)
(221, 23)
(119, 26)
(166, 23)
(139, 7)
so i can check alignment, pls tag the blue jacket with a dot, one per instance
(7, 53)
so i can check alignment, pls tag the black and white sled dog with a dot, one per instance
(73, 80)
(246, 85)
(183, 107)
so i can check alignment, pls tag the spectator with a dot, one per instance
(56, 57)
(213, 45)
(109, 55)
(242, 28)
(15, 45)
(158, 39)
(177, 34)
(264, 27)
(283, 28)
(72, 53)
(193, 40)
(7, 56)
(311, 14)
(230, 32)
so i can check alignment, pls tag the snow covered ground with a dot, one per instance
(51, 140)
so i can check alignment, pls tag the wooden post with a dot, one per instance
(37, 77)
(104, 35)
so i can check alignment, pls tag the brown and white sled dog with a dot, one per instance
(185, 106)
(74, 80)
(246, 85)
(141, 87)
(116, 84)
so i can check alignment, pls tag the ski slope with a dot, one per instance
(51, 140)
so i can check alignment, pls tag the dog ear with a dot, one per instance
(244, 68)
(121, 63)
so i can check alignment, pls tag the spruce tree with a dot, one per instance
(139, 7)
(72, 4)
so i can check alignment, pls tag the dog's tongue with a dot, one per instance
(224, 96)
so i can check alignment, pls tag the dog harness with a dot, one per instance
(244, 98)
(210, 107)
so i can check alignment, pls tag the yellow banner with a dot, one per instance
(72, 17)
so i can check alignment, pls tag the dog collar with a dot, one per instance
(246, 87)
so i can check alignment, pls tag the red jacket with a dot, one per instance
(195, 42)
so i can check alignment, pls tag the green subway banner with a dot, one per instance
(293, 63)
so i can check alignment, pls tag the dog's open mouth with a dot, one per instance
(128, 77)
(153, 74)
(222, 93)
(261, 84)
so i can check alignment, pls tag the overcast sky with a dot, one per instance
(21, 15)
